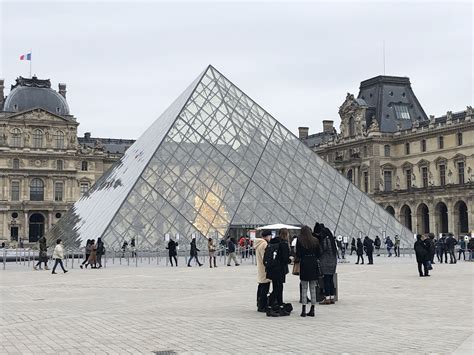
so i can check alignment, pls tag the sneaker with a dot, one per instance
(81, 266)
(35, 268)
(228, 264)
(66, 271)
(237, 264)
(54, 272)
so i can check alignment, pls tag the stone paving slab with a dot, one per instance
(383, 308)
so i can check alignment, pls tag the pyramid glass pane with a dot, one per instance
(215, 159)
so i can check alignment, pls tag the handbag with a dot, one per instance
(296, 269)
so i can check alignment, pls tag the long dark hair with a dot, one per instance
(306, 238)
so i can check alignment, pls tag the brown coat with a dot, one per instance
(260, 246)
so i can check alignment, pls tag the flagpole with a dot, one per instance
(31, 59)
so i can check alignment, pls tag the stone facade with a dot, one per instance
(421, 172)
(44, 167)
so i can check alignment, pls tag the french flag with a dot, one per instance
(25, 56)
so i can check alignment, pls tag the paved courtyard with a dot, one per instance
(383, 308)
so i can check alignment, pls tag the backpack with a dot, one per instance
(271, 257)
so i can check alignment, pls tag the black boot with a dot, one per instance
(311, 311)
(303, 311)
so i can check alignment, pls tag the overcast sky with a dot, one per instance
(125, 62)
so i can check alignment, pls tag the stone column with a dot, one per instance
(431, 215)
(452, 227)
(26, 229)
(50, 220)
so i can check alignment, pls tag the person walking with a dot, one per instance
(124, 248)
(377, 244)
(87, 252)
(92, 261)
(451, 242)
(443, 250)
(263, 288)
(172, 252)
(99, 252)
(369, 249)
(277, 269)
(58, 256)
(132, 247)
(422, 255)
(430, 241)
(462, 248)
(43, 254)
(231, 248)
(353, 245)
(211, 247)
(328, 262)
(360, 251)
(396, 247)
(389, 245)
(193, 253)
(308, 252)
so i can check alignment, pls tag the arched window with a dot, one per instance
(37, 138)
(36, 190)
(351, 127)
(16, 137)
(84, 166)
(59, 139)
(16, 163)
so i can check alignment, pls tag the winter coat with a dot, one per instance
(328, 258)
(58, 252)
(172, 248)
(389, 243)
(309, 269)
(88, 248)
(353, 244)
(360, 248)
(368, 245)
(377, 242)
(451, 242)
(421, 251)
(231, 246)
(194, 249)
(470, 245)
(260, 246)
(211, 247)
(279, 273)
(462, 244)
(42, 244)
(431, 247)
(100, 248)
(93, 255)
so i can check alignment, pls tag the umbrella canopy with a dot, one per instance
(278, 226)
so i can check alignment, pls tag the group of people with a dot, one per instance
(314, 257)
(93, 254)
(368, 245)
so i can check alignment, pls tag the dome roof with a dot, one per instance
(34, 93)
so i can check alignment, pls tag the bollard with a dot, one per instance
(105, 260)
(149, 256)
(136, 259)
(29, 257)
(24, 257)
(16, 255)
(4, 258)
(128, 259)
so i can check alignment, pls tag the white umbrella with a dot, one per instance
(278, 226)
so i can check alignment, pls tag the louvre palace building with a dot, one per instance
(418, 167)
(44, 166)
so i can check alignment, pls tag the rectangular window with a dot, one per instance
(366, 181)
(408, 178)
(387, 179)
(386, 149)
(424, 175)
(84, 166)
(423, 145)
(366, 151)
(442, 175)
(461, 172)
(407, 148)
(441, 142)
(459, 137)
(58, 191)
(401, 111)
(59, 165)
(84, 188)
(15, 186)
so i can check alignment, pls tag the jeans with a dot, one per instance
(377, 249)
(60, 262)
(329, 284)
(425, 267)
(389, 251)
(175, 260)
(463, 254)
(452, 256)
(370, 257)
(397, 251)
(85, 260)
(99, 259)
(262, 295)
(312, 290)
(276, 297)
(360, 257)
(191, 258)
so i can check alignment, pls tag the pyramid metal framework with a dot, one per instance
(212, 160)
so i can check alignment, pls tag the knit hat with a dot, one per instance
(266, 233)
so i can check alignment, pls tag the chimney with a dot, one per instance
(62, 89)
(87, 135)
(2, 98)
(328, 126)
(303, 132)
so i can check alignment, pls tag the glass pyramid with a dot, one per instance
(216, 159)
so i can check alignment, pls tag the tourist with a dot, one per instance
(369, 249)
(360, 251)
(193, 252)
(308, 252)
(211, 247)
(100, 251)
(450, 244)
(231, 248)
(328, 262)
(132, 246)
(92, 261)
(462, 248)
(470, 248)
(353, 245)
(172, 252)
(422, 255)
(397, 246)
(87, 252)
(43, 254)
(222, 248)
(276, 270)
(124, 248)
(432, 248)
(263, 283)
(389, 245)
(58, 255)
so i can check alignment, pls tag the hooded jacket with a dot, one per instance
(260, 245)
(58, 252)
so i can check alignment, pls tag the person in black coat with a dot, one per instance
(172, 251)
(377, 244)
(328, 264)
(353, 245)
(100, 251)
(194, 252)
(360, 251)
(369, 249)
(422, 253)
(278, 272)
(308, 252)
(450, 244)
(431, 242)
